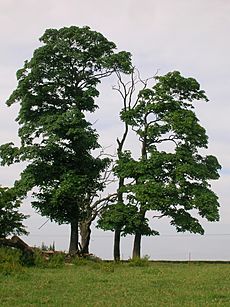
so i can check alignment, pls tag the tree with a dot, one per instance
(171, 179)
(120, 217)
(10, 218)
(55, 90)
(114, 217)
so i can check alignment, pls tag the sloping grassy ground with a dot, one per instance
(108, 284)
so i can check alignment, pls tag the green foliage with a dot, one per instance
(170, 177)
(10, 261)
(55, 260)
(15, 257)
(124, 217)
(114, 217)
(39, 260)
(56, 88)
(10, 255)
(10, 218)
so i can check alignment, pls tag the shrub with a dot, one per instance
(39, 260)
(10, 255)
(56, 260)
(52, 261)
(10, 261)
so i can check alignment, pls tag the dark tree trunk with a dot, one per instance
(137, 238)
(137, 246)
(138, 235)
(73, 245)
(116, 247)
(85, 233)
(117, 233)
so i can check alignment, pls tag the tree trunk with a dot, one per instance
(137, 246)
(137, 238)
(138, 235)
(73, 245)
(116, 247)
(85, 233)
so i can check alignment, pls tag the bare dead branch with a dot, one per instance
(158, 216)
(171, 138)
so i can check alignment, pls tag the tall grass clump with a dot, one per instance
(139, 262)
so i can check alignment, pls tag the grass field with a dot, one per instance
(109, 284)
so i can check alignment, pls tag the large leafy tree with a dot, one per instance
(55, 90)
(171, 176)
(10, 219)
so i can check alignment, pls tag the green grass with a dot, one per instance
(109, 284)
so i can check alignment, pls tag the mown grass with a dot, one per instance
(108, 284)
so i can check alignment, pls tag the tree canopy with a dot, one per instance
(55, 90)
(11, 221)
(170, 176)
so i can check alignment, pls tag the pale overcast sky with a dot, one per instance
(191, 36)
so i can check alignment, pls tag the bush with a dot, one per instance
(10, 261)
(39, 260)
(53, 261)
(11, 255)
(56, 261)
